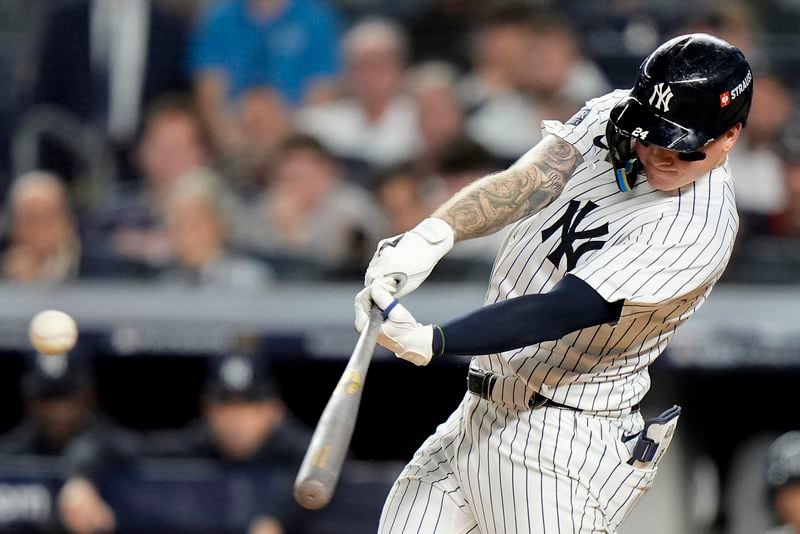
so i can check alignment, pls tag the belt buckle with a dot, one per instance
(537, 400)
(481, 382)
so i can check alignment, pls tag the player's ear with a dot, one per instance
(729, 138)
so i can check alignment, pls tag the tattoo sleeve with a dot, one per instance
(500, 199)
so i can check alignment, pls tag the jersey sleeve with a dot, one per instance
(586, 129)
(661, 262)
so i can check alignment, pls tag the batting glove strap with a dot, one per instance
(435, 231)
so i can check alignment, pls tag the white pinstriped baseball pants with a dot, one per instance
(490, 469)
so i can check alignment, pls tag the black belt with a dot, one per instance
(482, 382)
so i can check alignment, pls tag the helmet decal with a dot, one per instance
(741, 86)
(661, 96)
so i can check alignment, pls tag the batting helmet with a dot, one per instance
(688, 92)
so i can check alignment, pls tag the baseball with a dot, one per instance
(52, 332)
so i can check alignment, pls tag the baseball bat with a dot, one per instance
(319, 472)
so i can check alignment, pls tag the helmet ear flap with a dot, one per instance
(623, 157)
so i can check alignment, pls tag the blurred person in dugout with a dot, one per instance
(374, 123)
(59, 402)
(783, 482)
(200, 212)
(173, 143)
(309, 211)
(104, 61)
(42, 236)
(286, 50)
(245, 427)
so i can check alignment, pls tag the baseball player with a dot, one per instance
(624, 218)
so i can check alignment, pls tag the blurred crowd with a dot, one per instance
(239, 143)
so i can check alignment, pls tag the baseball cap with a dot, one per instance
(783, 460)
(55, 376)
(239, 376)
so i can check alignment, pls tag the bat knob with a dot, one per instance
(313, 494)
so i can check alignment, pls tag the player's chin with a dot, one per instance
(667, 180)
(660, 182)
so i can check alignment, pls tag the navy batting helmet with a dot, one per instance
(688, 92)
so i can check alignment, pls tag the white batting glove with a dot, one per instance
(409, 258)
(400, 332)
(363, 302)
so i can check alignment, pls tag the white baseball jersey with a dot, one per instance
(497, 466)
(659, 252)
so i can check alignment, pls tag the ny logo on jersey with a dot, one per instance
(662, 94)
(569, 234)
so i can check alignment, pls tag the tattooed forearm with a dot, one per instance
(497, 200)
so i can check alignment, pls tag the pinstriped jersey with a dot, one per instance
(659, 252)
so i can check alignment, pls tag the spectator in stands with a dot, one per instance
(376, 122)
(399, 194)
(500, 116)
(199, 213)
(311, 213)
(173, 144)
(783, 481)
(786, 223)
(104, 61)
(43, 243)
(558, 75)
(433, 86)
(756, 155)
(245, 428)
(288, 46)
(58, 397)
(265, 122)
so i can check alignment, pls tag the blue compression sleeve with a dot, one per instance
(571, 305)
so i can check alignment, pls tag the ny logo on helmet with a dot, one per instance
(661, 96)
